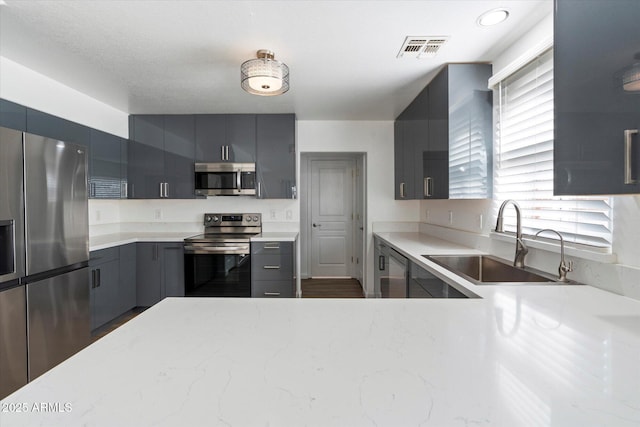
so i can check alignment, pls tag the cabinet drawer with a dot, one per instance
(272, 289)
(104, 255)
(272, 267)
(259, 248)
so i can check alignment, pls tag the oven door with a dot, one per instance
(216, 271)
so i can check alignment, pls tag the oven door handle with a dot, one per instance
(217, 249)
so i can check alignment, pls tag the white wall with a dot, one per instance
(24, 86)
(375, 140)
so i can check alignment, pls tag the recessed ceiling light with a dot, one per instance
(493, 17)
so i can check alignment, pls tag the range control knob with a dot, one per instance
(208, 218)
(248, 219)
(255, 218)
(216, 218)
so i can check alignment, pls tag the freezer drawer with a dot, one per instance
(59, 319)
(13, 340)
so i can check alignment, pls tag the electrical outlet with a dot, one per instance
(158, 214)
(450, 217)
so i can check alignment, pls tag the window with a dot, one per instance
(524, 161)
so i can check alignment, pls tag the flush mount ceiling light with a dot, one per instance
(264, 75)
(493, 17)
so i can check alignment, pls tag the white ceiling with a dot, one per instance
(184, 56)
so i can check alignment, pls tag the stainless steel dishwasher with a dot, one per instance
(394, 285)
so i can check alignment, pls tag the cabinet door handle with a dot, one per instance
(99, 280)
(124, 190)
(428, 186)
(271, 267)
(166, 190)
(226, 152)
(272, 246)
(161, 189)
(381, 262)
(259, 190)
(402, 190)
(628, 154)
(93, 279)
(272, 294)
(222, 153)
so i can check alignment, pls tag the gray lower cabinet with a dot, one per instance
(273, 269)
(276, 156)
(104, 293)
(596, 106)
(423, 284)
(159, 272)
(127, 282)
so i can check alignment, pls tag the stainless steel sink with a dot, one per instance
(489, 270)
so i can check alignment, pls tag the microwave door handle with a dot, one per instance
(239, 181)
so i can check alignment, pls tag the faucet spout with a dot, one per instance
(564, 267)
(521, 248)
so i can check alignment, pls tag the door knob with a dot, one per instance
(317, 225)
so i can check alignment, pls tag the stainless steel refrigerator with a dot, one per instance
(53, 247)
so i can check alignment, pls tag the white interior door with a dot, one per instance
(331, 217)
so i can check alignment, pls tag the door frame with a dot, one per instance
(358, 267)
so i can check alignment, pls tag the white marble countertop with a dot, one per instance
(280, 236)
(519, 356)
(117, 239)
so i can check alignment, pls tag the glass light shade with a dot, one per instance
(264, 76)
(631, 79)
(493, 17)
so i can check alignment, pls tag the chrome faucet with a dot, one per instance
(564, 268)
(521, 248)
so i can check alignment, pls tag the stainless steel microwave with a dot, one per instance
(225, 179)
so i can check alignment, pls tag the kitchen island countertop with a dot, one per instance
(518, 356)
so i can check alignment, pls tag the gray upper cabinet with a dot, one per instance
(12, 115)
(51, 126)
(276, 156)
(225, 138)
(105, 166)
(596, 146)
(443, 139)
(160, 157)
(179, 153)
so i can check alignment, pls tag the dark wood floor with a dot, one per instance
(331, 288)
(311, 288)
(116, 323)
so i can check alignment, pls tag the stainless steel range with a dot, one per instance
(217, 263)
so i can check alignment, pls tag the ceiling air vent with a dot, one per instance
(421, 47)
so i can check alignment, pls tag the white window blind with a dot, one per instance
(524, 162)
